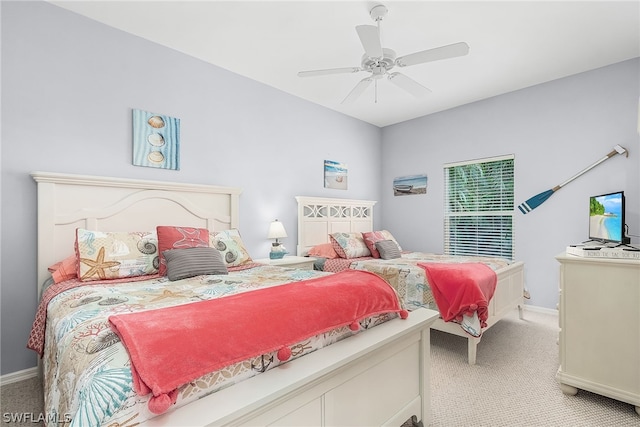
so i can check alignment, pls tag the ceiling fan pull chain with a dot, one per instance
(375, 99)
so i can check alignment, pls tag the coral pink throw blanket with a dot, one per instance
(461, 289)
(172, 346)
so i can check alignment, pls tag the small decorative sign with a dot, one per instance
(156, 140)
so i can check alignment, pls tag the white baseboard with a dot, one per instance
(537, 309)
(14, 377)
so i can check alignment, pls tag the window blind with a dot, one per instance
(479, 207)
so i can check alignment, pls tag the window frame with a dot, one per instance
(487, 217)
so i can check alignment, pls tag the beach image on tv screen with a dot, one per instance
(605, 217)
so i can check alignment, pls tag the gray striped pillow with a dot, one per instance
(388, 249)
(189, 262)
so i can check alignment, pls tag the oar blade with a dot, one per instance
(535, 201)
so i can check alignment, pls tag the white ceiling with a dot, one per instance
(513, 44)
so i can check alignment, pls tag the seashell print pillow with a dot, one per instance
(349, 245)
(114, 255)
(231, 246)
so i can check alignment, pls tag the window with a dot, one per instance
(478, 207)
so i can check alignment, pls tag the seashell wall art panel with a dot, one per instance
(156, 140)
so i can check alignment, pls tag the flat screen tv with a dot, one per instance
(606, 218)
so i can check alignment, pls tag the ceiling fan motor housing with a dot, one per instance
(379, 66)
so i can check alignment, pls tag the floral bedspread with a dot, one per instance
(87, 375)
(410, 281)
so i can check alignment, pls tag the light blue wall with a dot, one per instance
(69, 84)
(555, 130)
(68, 87)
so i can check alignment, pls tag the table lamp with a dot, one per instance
(277, 231)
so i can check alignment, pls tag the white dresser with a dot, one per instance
(599, 314)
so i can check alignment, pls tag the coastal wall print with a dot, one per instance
(335, 175)
(156, 140)
(408, 185)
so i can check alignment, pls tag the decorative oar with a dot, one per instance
(539, 199)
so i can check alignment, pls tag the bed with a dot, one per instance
(319, 217)
(330, 378)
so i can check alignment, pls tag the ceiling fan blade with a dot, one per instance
(408, 84)
(357, 91)
(436, 54)
(328, 71)
(370, 39)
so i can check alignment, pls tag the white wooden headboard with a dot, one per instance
(320, 216)
(66, 202)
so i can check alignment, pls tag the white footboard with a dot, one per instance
(508, 296)
(378, 377)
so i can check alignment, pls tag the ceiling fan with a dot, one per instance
(379, 61)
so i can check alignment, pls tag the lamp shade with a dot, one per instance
(276, 230)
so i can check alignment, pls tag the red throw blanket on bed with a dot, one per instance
(461, 288)
(172, 346)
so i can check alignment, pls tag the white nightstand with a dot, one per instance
(300, 262)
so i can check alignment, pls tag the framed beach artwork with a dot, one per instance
(156, 140)
(335, 175)
(409, 185)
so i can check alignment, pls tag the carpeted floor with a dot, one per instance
(512, 384)
(19, 399)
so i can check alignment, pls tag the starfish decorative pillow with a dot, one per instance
(114, 255)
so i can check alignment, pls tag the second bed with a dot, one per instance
(320, 217)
